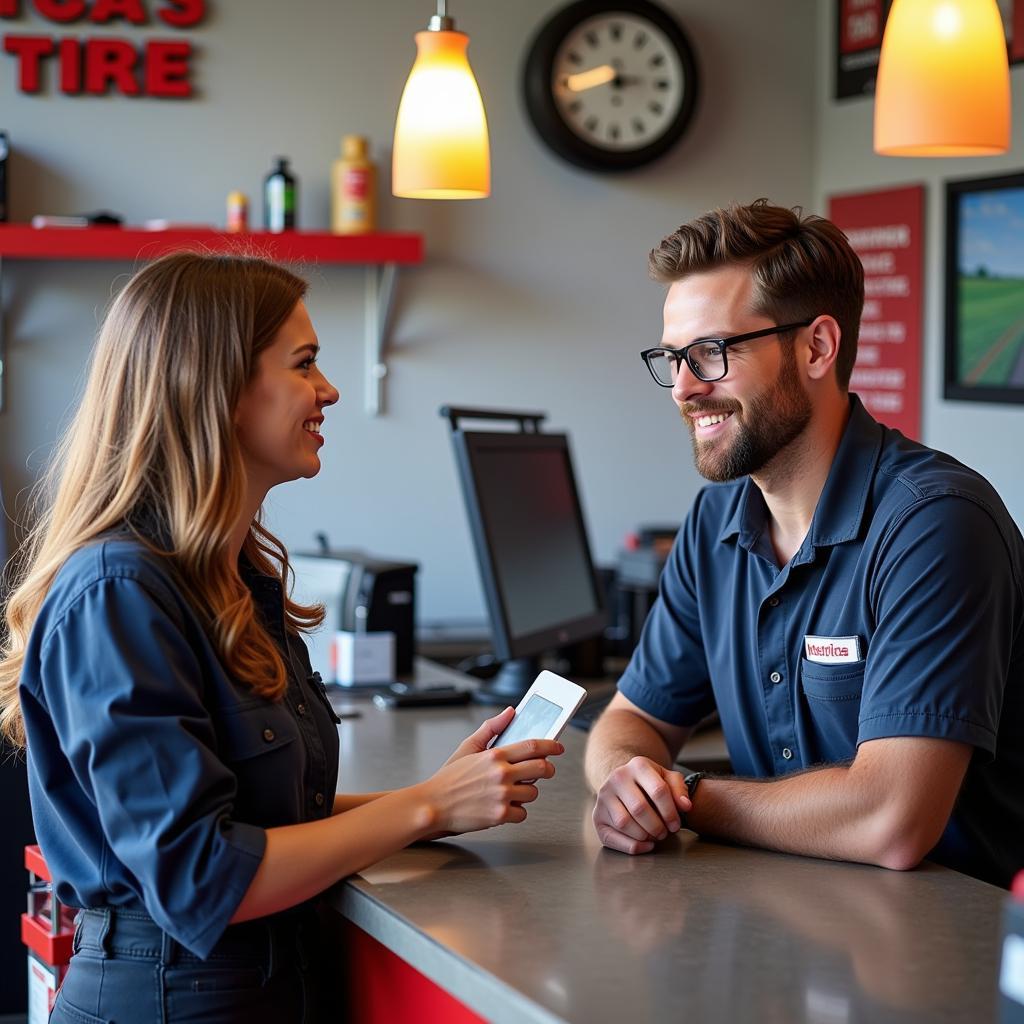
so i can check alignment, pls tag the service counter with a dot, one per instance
(537, 923)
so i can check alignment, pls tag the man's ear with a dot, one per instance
(824, 336)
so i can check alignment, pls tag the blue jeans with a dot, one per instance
(126, 970)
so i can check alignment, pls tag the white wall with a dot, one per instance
(985, 435)
(536, 298)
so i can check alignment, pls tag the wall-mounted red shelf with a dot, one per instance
(380, 253)
(21, 241)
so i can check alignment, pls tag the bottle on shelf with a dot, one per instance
(280, 195)
(238, 211)
(353, 189)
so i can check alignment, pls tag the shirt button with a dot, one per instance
(775, 677)
(787, 753)
(773, 602)
(268, 735)
(301, 709)
(319, 798)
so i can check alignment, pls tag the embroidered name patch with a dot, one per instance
(832, 650)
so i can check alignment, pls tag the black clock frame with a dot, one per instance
(543, 111)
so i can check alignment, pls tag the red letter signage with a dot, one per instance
(96, 66)
(29, 50)
(189, 12)
(60, 10)
(106, 10)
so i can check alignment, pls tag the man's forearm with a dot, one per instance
(834, 812)
(616, 738)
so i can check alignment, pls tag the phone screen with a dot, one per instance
(533, 722)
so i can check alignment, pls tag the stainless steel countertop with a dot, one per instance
(536, 922)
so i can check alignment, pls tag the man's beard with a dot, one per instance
(771, 420)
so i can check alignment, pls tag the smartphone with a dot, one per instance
(544, 711)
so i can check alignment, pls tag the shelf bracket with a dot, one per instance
(380, 291)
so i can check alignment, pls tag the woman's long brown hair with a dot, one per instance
(153, 442)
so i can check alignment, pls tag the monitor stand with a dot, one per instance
(509, 686)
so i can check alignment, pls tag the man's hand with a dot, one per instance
(639, 804)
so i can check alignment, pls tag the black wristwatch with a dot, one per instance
(692, 782)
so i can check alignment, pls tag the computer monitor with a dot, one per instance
(541, 588)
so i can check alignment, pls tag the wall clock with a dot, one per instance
(610, 84)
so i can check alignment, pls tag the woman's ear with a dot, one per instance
(824, 336)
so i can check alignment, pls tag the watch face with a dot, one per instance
(610, 84)
(618, 82)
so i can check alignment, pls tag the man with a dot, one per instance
(850, 601)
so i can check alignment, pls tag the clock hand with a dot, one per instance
(601, 75)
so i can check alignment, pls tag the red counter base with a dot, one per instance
(386, 989)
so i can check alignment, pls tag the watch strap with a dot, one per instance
(692, 781)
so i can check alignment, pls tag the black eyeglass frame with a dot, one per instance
(679, 354)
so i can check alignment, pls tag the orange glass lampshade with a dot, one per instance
(441, 148)
(943, 85)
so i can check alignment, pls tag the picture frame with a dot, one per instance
(984, 281)
(859, 27)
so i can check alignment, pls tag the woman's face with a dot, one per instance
(281, 410)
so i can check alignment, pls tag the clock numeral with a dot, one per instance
(575, 57)
(640, 41)
(657, 60)
(638, 126)
(576, 106)
(654, 107)
(591, 37)
(661, 83)
(613, 132)
(615, 31)
(591, 124)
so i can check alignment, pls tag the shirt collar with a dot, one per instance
(844, 498)
(748, 517)
(267, 596)
(261, 585)
(840, 509)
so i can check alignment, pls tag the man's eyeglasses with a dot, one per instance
(706, 358)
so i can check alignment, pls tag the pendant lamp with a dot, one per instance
(441, 148)
(943, 85)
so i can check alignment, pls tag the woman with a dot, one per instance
(182, 756)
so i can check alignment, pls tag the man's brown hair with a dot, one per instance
(803, 267)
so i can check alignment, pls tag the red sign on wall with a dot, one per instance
(95, 66)
(885, 230)
(860, 25)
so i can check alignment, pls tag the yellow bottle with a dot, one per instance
(353, 189)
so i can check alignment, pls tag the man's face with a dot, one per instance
(740, 423)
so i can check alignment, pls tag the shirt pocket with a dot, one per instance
(260, 745)
(256, 730)
(833, 695)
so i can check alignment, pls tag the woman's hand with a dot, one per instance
(479, 741)
(477, 788)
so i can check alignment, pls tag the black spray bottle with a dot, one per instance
(280, 195)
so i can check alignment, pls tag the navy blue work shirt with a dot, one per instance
(153, 774)
(902, 614)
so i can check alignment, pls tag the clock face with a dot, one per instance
(610, 84)
(618, 82)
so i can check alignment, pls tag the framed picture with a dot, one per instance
(985, 289)
(860, 25)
